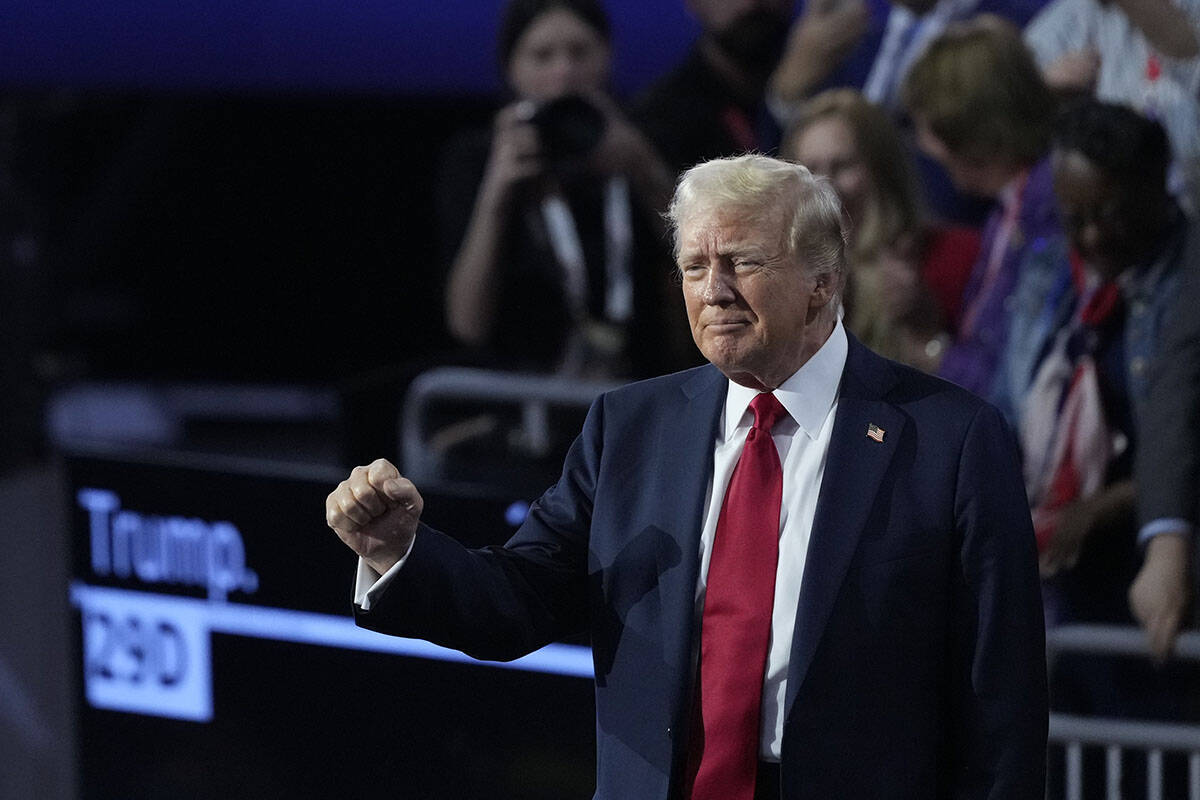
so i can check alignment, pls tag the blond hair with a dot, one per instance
(755, 186)
(980, 92)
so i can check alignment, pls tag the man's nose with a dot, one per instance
(717, 288)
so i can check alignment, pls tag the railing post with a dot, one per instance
(1074, 771)
(1154, 774)
(1113, 772)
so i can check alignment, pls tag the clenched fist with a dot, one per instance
(375, 512)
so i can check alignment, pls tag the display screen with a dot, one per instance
(218, 657)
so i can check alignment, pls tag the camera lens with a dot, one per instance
(569, 128)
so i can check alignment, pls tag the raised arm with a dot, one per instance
(820, 40)
(515, 158)
(1167, 26)
(494, 603)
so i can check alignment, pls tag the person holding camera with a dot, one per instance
(561, 263)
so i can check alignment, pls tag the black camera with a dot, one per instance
(569, 128)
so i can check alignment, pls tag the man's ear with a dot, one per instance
(827, 286)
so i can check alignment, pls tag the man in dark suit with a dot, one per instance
(845, 607)
(1168, 472)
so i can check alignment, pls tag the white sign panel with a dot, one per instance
(146, 653)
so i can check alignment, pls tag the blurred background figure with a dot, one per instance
(713, 103)
(981, 109)
(559, 263)
(1141, 53)
(1130, 242)
(1082, 420)
(906, 275)
(870, 45)
(552, 215)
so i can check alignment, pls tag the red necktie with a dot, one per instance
(736, 623)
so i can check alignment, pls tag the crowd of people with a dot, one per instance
(1070, 305)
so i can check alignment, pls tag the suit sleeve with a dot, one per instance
(1168, 454)
(500, 603)
(998, 696)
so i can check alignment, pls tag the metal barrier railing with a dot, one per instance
(153, 413)
(533, 394)
(1116, 736)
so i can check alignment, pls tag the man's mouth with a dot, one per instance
(726, 325)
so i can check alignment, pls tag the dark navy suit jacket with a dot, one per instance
(917, 666)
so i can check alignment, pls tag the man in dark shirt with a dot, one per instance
(712, 104)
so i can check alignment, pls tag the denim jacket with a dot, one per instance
(1148, 290)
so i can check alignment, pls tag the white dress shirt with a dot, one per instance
(802, 440)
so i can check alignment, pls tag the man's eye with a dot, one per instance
(746, 264)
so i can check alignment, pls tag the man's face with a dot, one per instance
(1101, 220)
(754, 310)
(753, 33)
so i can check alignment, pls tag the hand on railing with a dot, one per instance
(1159, 593)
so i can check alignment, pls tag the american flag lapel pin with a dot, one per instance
(875, 432)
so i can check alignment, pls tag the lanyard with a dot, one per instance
(618, 248)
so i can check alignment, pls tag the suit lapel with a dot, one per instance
(854, 468)
(685, 443)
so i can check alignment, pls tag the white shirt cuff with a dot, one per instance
(369, 585)
(1165, 525)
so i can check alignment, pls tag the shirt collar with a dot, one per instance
(807, 395)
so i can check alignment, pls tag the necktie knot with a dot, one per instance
(767, 411)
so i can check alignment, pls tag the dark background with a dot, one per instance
(236, 190)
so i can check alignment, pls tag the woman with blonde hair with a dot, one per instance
(906, 276)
